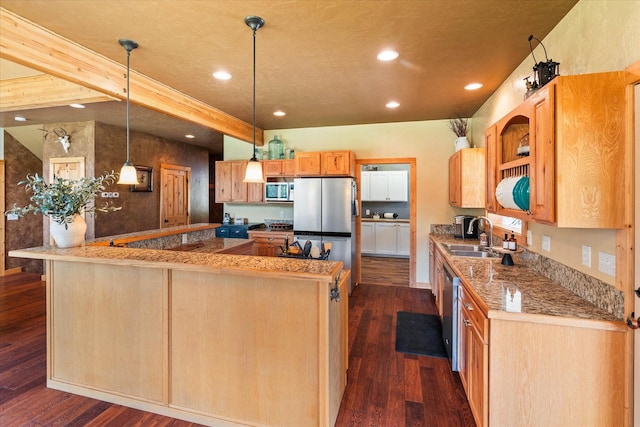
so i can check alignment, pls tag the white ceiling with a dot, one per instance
(316, 59)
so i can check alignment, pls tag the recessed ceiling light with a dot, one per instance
(387, 55)
(20, 119)
(279, 113)
(222, 75)
(76, 106)
(393, 104)
(189, 136)
(473, 86)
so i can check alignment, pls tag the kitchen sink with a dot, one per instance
(474, 251)
(462, 247)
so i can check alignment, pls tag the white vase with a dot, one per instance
(72, 235)
(461, 142)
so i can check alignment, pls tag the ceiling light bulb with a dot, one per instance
(76, 106)
(387, 55)
(279, 113)
(393, 104)
(20, 119)
(222, 75)
(473, 86)
(189, 136)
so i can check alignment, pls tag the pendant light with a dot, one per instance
(254, 168)
(128, 173)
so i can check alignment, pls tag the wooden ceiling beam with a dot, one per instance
(43, 91)
(33, 46)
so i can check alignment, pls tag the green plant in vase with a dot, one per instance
(64, 200)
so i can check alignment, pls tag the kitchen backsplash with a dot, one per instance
(594, 290)
(401, 208)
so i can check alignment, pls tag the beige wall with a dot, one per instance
(430, 142)
(595, 36)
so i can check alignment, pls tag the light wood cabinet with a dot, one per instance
(267, 243)
(490, 167)
(273, 168)
(230, 185)
(308, 164)
(338, 163)
(467, 178)
(439, 282)
(473, 355)
(576, 127)
(384, 186)
(326, 163)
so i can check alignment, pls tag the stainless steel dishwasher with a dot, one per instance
(450, 315)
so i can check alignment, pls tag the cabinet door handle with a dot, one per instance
(468, 306)
(466, 322)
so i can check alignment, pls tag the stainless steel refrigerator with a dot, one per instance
(324, 211)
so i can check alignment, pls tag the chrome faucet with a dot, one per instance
(470, 230)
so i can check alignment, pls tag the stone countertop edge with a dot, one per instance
(313, 270)
(120, 239)
(384, 220)
(543, 300)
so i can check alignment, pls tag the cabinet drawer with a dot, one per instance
(472, 312)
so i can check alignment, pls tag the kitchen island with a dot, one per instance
(218, 339)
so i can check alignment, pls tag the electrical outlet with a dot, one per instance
(104, 195)
(607, 264)
(546, 243)
(586, 256)
(529, 238)
(115, 194)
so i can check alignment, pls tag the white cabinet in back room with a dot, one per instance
(384, 186)
(385, 238)
(368, 237)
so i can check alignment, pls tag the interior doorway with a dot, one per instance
(174, 195)
(396, 236)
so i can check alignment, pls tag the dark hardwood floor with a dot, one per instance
(385, 388)
(384, 271)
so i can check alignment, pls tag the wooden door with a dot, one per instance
(543, 179)
(454, 179)
(174, 195)
(490, 169)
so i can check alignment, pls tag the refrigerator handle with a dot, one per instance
(354, 199)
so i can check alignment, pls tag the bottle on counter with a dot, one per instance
(513, 243)
(483, 239)
(505, 242)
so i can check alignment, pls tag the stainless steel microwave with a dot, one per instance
(278, 191)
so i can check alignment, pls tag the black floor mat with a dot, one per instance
(419, 334)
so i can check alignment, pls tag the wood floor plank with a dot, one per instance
(385, 388)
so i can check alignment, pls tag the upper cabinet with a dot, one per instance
(575, 130)
(326, 163)
(279, 167)
(467, 178)
(384, 186)
(230, 185)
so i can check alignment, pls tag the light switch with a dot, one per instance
(586, 256)
(546, 243)
(607, 264)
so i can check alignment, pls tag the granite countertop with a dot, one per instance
(190, 260)
(121, 239)
(363, 219)
(213, 245)
(489, 280)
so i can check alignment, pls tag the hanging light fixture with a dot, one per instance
(128, 174)
(254, 168)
